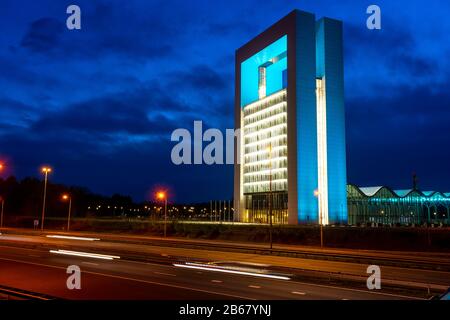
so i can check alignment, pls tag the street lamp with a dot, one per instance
(3, 202)
(2, 211)
(66, 197)
(269, 149)
(317, 195)
(162, 196)
(45, 171)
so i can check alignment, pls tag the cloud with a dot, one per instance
(15, 114)
(136, 112)
(200, 77)
(43, 35)
(389, 137)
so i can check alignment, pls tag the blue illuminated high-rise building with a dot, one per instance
(289, 105)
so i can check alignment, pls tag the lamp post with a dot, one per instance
(270, 195)
(317, 194)
(163, 196)
(45, 171)
(2, 211)
(66, 197)
(3, 202)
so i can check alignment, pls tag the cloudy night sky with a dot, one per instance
(99, 104)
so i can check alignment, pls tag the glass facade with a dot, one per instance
(265, 144)
(257, 208)
(264, 108)
(382, 205)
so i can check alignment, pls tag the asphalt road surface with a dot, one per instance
(45, 273)
(423, 278)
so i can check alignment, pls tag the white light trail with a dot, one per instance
(245, 273)
(72, 238)
(85, 254)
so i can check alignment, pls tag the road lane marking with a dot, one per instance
(72, 238)
(85, 254)
(136, 280)
(217, 281)
(254, 287)
(362, 291)
(165, 274)
(302, 283)
(299, 293)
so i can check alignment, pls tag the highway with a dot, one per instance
(27, 263)
(45, 273)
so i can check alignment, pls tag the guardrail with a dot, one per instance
(365, 259)
(7, 293)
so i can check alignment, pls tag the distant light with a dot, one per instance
(161, 195)
(46, 170)
(85, 254)
(72, 238)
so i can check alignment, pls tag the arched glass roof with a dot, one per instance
(383, 191)
(370, 191)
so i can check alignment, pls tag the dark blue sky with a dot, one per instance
(99, 104)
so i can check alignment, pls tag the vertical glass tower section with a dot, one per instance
(331, 121)
(289, 106)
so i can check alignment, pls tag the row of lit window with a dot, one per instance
(261, 166)
(266, 102)
(278, 175)
(272, 112)
(267, 137)
(266, 155)
(264, 145)
(265, 187)
(266, 126)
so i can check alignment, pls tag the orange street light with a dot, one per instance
(162, 196)
(2, 200)
(45, 171)
(66, 197)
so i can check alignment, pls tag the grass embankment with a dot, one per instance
(380, 238)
